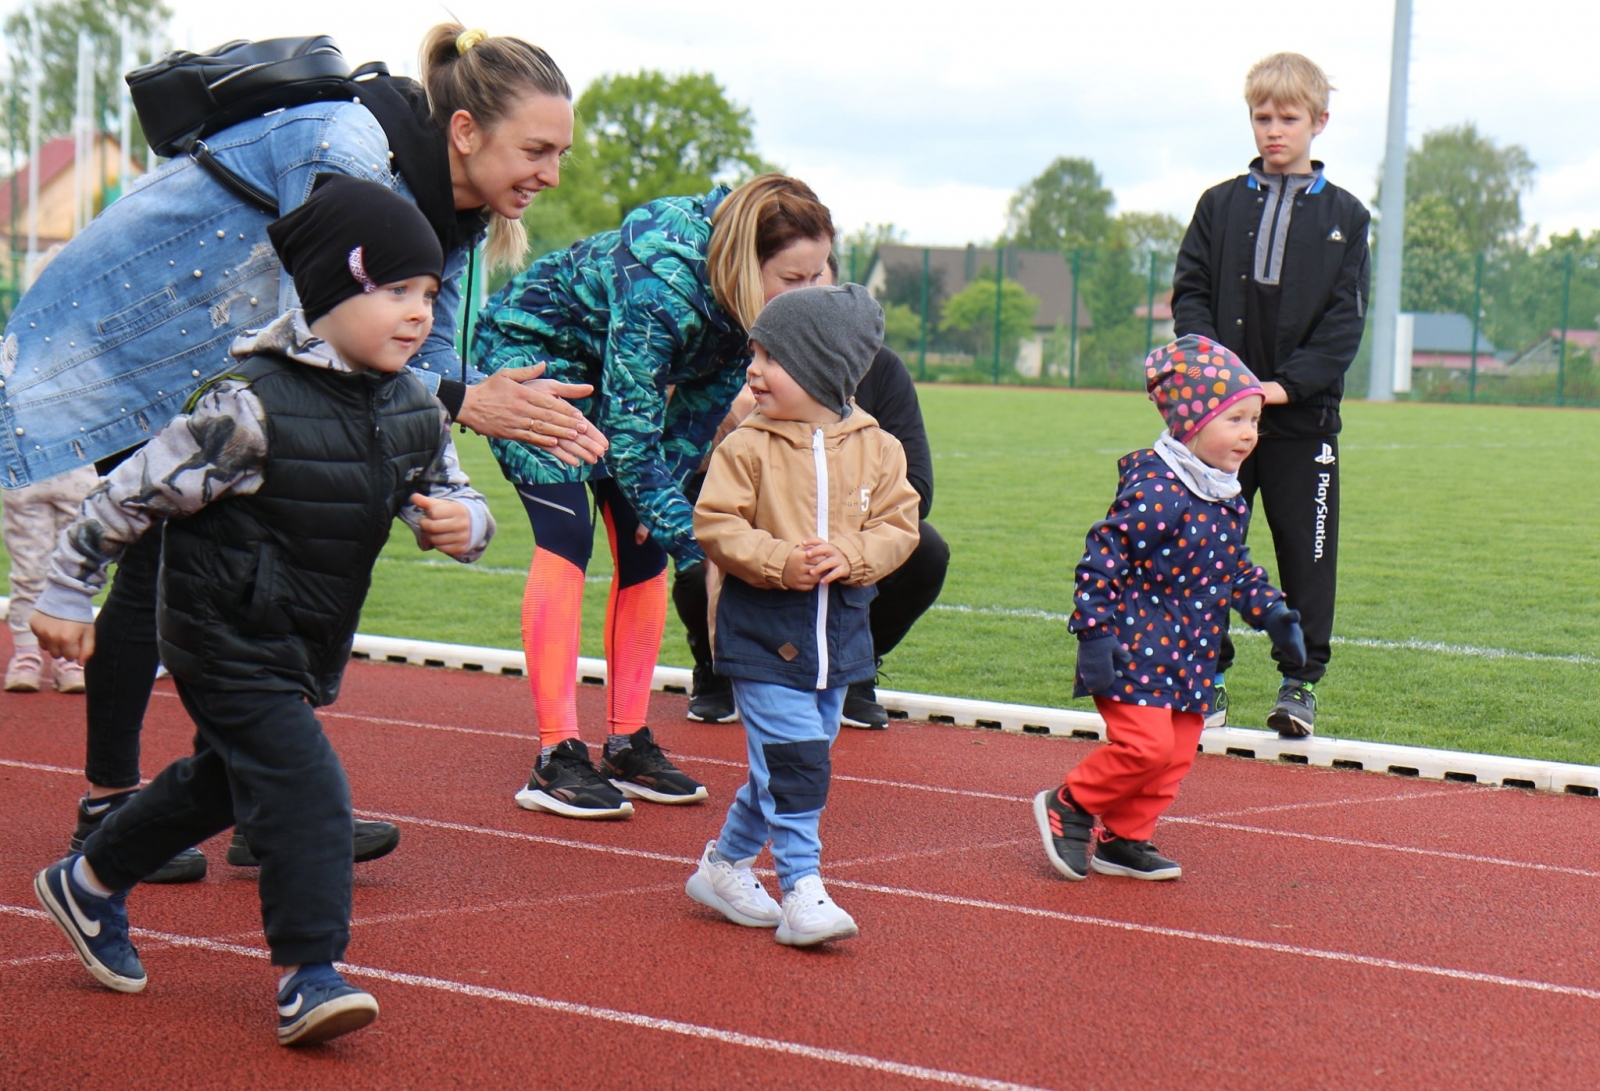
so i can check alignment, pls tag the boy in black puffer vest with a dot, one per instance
(1275, 267)
(276, 493)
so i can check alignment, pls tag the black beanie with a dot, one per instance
(350, 237)
(824, 337)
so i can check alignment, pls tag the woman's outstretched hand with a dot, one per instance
(516, 404)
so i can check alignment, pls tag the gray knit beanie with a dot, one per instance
(824, 337)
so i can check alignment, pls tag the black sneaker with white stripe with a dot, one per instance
(566, 783)
(641, 771)
(1114, 855)
(189, 866)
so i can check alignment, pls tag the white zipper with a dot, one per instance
(820, 457)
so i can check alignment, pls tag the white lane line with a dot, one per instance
(37, 768)
(1308, 806)
(1229, 941)
(605, 1015)
(1442, 854)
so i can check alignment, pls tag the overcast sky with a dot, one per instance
(931, 115)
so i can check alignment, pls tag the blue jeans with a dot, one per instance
(788, 733)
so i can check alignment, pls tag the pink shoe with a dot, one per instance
(22, 675)
(68, 676)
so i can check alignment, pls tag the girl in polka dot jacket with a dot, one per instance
(1152, 591)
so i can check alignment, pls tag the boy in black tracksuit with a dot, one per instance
(1275, 266)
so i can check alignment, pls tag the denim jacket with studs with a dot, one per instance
(139, 310)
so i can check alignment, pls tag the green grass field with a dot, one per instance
(1469, 604)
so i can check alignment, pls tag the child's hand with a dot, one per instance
(797, 575)
(827, 562)
(63, 639)
(446, 525)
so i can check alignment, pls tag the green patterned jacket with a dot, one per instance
(630, 311)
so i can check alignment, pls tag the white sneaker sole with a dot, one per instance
(531, 799)
(639, 791)
(728, 719)
(700, 889)
(102, 973)
(329, 1020)
(1216, 719)
(843, 929)
(1105, 867)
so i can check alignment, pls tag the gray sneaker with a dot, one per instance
(1295, 714)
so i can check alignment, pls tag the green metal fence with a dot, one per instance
(1515, 327)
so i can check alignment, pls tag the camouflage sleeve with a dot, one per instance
(446, 480)
(644, 341)
(217, 450)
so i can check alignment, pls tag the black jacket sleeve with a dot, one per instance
(1318, 364)
(1193, 301)
(887, 392)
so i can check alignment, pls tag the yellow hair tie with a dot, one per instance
(469, 38)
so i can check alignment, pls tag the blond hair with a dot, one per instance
(485, 75)
(1288, 79)
(754, 222)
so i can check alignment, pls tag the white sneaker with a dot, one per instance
(810, 916)
(24, 670)
(733, 890)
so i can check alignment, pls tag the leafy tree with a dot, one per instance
(856, 248)
(902, 328)
(970, 313)
(1147, 233)
(644, 136)
(1481, 182)
(1438, 271)
(1066, 206)
(59, 23)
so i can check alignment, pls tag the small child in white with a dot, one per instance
(806, 506)
(35, 516)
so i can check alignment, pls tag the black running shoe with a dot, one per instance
(372, 840)
(1135, 859)
(566, 783)
(1295, 714)
(1065, 831)
(189, 866)
(861, 708)
(711, 701)
(641, 771)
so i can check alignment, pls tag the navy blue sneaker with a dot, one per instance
(317, 1004)
(97, 927)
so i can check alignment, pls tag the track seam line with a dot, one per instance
(590, 1011)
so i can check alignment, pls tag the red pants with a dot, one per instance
(1134, 777)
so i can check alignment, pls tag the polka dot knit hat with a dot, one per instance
(1192, 380)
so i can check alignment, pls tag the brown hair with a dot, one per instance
(1288, 79)
(753, 223)
(469, 70)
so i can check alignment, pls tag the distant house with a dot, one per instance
(56, 194)
(1444, 341)
(895, 276)
(1544, 358)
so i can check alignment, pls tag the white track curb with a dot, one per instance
(1410, 761)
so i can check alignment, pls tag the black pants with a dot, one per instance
(264, 764)
(903, 596)
(1298, 482)
(122, 671)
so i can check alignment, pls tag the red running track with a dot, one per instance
(1331, 928)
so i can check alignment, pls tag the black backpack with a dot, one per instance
(184, 97)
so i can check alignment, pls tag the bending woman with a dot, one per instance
(139, 310)
(658, 307)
